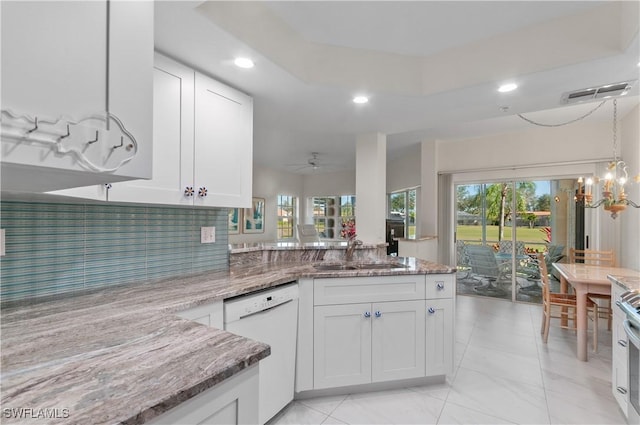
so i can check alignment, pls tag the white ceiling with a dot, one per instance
(430, 68)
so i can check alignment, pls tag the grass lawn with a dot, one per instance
(533, 238)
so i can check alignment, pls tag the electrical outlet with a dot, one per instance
(207, 234)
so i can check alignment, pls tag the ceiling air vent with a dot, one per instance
(584, 95)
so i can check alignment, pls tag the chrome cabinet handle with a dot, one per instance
(202, 192)
(188, 191)
(367, 314)
(108, 186)
(622, 342)
(621, 390)
(378, 314)
(440, 286)
(618, 303)
(431, 310)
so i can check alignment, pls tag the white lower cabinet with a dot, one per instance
(364, 339)
(619, 355)
(342, 345)
(397, 344)
(234, 401)
(439, 337)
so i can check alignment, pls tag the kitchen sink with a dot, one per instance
(359, 266)
(383, 266)
(334, 267)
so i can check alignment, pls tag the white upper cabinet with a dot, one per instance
(172, 140)
(223, 151)
(203, 144)
(79, 69)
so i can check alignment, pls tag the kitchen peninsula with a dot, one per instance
(123, 355)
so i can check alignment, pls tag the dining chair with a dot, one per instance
(566, 303)
(598, 258)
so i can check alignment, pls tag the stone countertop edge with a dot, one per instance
(626, 282)
(122, 355)
(290, 246)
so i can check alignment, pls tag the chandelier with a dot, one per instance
(614, 198)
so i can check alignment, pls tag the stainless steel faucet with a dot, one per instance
(352, 242)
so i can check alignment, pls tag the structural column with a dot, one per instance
(371, 182)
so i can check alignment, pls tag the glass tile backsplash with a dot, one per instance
(55, 248)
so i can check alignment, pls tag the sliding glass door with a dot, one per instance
(500, 228)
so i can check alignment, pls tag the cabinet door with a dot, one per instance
(172, 139)
(59, 68)
(54, 58)
(223, 160)
(342, 345)
(398, 340)
(439, 337)
(233, 401)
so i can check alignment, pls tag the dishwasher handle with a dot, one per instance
(253, 313)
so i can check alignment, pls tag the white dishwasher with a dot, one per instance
(269, 316)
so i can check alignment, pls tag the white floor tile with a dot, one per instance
(324, 405)
(332, 421)
(454, 414)
(503, 364)
(569, 408)
(389, 407)
(298, 414)
(508, 399)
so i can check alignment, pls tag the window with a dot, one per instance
(401, 213)
(330, 212)
(286, 217)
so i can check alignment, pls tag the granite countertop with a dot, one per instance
(627, 282)
(284, 246)
(122, 355)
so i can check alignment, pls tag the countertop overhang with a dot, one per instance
(122, 355)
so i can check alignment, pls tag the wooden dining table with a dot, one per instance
(585, 279)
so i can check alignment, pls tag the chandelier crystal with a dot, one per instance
(614, 198)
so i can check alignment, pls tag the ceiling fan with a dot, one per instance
(313, 164)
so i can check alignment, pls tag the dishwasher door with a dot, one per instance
(271, 317)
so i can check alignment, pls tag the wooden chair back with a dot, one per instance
(544, 278)
(593, 257)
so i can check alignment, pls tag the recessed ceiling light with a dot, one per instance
(507, 87)
(243, 63)
(360, 99)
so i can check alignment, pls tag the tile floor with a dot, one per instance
(503, 374)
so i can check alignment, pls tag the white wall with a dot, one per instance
(404, 172)
(575, 142)
(268, 184)
(326, 184)
(629, 253)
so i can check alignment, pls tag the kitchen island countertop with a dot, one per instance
(122, 355)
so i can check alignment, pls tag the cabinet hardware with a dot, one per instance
(440, 286)
(621, 390)
(94, 140)
(622, 343)
(202, 192)
(431, 310)
(188, 191)
(108, 186)
(378, 314)
(367, 314)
